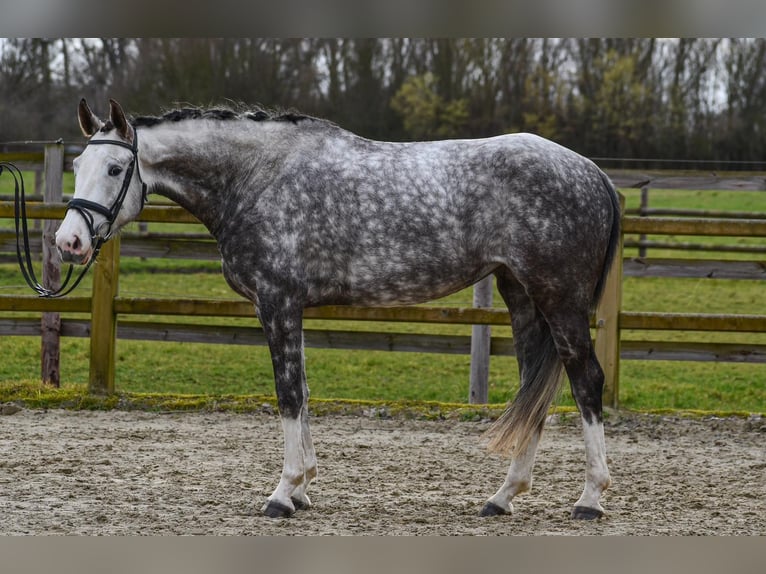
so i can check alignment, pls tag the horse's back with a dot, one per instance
(365, 222)
(458, 209)
(525, 191)
(542, 210)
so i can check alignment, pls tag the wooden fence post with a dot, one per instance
(480, 345)
(103, 318)
(642, 212)
(608, 327)
(50, 325)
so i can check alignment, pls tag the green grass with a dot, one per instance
(219, 370)
(749, 201)
(150, 367)
(753, 201)
(76, 397)
(652, 385)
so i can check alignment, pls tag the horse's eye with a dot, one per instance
(115, 170)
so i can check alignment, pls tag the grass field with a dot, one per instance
(223, 369)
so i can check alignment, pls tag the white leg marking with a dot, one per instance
(293, 470)
(309, 462)
(596, 472)
(519, 477)
(299, 496)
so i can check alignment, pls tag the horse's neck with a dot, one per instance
(197, 171)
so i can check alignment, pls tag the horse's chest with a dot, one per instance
(239, 278)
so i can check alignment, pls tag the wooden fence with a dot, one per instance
(110, 313)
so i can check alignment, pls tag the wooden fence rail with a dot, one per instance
(106, 306)
(110, 314)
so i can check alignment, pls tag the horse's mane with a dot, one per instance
(224, 114)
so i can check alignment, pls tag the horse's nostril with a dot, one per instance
(75, 245)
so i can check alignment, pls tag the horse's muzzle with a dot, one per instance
(75, 258)
(72, 250)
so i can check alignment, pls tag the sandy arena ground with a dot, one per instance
(140, 473)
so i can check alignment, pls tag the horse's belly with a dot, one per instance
(402, 288)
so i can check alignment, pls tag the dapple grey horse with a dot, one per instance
(306, 214)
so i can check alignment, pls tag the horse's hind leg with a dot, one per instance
(518, 479)
(572, 335)
(538, 365)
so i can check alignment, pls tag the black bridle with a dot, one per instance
(84, 207)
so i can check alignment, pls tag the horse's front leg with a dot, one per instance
(283, 327)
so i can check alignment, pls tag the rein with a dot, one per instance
(84, 207)
(22, 235)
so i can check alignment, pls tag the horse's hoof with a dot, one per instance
(492, 509)
(300, 504)
(586, 513)
(274, 509)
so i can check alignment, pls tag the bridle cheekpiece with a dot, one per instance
(84, 206)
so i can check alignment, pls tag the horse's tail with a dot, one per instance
(526, 414)
(614, 238)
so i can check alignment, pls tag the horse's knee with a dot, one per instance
(289, 400)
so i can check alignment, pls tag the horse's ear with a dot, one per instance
(120, 121)
(89, 123)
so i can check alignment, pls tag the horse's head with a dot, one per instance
(108, 192)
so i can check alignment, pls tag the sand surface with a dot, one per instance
(140, 473)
